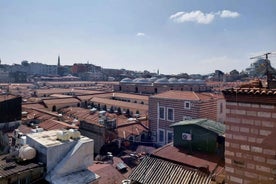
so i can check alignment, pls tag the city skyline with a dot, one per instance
(172, 36)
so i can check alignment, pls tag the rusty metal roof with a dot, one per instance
(8, 168)
(154, 170)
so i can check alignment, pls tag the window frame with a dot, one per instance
(170, 108)
(164, 114)
(161, 130)
(187, 102)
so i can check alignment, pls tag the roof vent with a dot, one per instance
(93, 110)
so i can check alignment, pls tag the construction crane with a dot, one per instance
(270, 72)
(260, 56)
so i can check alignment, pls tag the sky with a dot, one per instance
(172, 36)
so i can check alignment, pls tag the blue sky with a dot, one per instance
(174, 36)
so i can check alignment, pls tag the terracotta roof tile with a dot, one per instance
(184, 95)
(61, 101)
(120, 103)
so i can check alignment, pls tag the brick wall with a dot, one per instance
(199, 109)
(250, 140)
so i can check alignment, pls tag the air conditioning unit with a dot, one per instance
(186, 137)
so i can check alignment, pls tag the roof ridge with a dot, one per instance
(196, 95)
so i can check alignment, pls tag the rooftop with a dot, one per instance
(120, 104)
(185, 95)
(155, 170)
(195, 160)
(213, 126)
(49, 138)
(250, 95)
(10, 167)
(6, 97)
(108, 172)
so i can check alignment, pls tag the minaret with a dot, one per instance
(58, 60)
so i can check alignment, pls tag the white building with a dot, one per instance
(66, 159)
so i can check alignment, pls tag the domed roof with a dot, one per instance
(199, 81)
(173, 80)
(182, 80)
(152, 79)
(125, 80)
(141, 80)
(162, 80)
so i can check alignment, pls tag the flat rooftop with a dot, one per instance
(49, 138)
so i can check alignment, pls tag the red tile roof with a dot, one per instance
(184, 95)
(131, 96)
(61, 101)
(54, 124)
(120, 104)
(108, 172)
(133, 128)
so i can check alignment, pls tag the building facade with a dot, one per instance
(174, 106)
(250, 148)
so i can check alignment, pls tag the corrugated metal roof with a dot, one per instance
(213, 126)
(8, 168)
(154, 170)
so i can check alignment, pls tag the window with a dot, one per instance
(170, 114)
(161, 135)
(161, 112)
(187, 105)
(169, 136)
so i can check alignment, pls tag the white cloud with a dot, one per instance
(228, 14)
(140, 34)
(200, 17)
(193, 16)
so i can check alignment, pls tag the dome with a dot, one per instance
(182, 80)
(126, 80)
(141, 80)
(152, 79)
(173, 80)
(162, 80)
(199, 81)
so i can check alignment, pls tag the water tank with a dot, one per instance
(26, 152)
(74, 134)
(63, 135)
